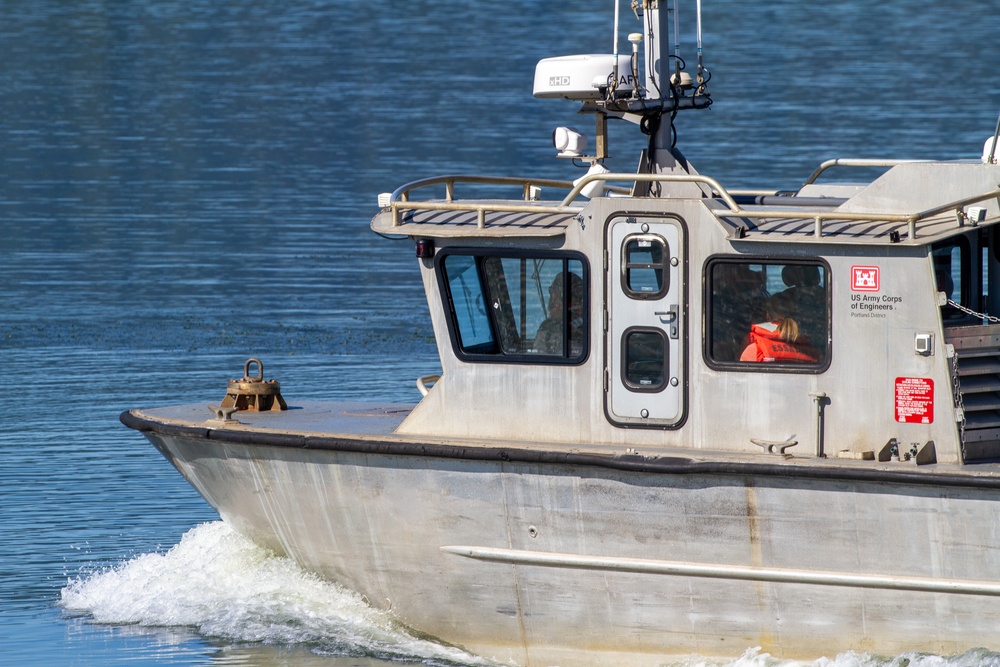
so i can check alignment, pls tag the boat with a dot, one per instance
(671, 417)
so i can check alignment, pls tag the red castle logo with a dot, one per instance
(864, 279)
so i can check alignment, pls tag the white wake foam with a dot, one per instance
(221, 584)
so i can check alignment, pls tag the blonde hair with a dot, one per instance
(781, 307)
(788, 330)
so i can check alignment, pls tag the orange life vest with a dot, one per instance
(764, 337)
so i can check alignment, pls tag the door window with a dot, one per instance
(644, 266)
(645, 364)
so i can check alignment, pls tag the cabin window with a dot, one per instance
(770, 315)
(644, 363)
(469, 306)
(517, 307)
(644, 265)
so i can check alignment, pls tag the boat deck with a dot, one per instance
(328, 419)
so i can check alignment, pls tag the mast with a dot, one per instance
(608, 86)
(668, 83)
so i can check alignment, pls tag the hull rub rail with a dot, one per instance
(737, 572)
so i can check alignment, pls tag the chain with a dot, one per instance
(968, 311)
(959, 402)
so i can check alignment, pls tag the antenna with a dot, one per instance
(615, 84)
(635, 38)
(677, 41)
(701, 77)
(616, 28)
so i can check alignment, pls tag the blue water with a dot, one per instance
(185, 185)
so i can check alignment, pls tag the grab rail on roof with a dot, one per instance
(819, 217)
(855, 162)
(402, 193)
(399, 200)
(910, 219)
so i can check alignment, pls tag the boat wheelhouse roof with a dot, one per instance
(884, 211)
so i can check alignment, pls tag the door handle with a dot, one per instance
(669, 317)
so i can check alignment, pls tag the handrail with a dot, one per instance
(651, 178)
(400, 200)
(402, 193)
(425, 380)
(911, 219)
(400, 197)
(818, 216)
(855, 162)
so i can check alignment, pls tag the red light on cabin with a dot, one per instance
(425, 248)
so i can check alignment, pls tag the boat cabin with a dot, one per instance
(659, 320)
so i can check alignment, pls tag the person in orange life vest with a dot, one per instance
(779, 338)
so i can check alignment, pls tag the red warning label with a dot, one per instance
(914, 400)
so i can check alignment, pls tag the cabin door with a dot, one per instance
(645, 327)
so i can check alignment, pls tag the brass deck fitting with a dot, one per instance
(254, 394)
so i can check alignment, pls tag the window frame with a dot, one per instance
(770, 366)
(498, 355)
(663, 266)
(650, 389)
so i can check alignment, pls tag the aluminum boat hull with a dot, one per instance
(553, 557)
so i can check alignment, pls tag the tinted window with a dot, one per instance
(469, 305)
(534, 306)
(768, 313)
(645, 363)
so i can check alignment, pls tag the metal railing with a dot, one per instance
(855, 162)
(910, 219)
(819, 217)
(400, 198)
(399, 201)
